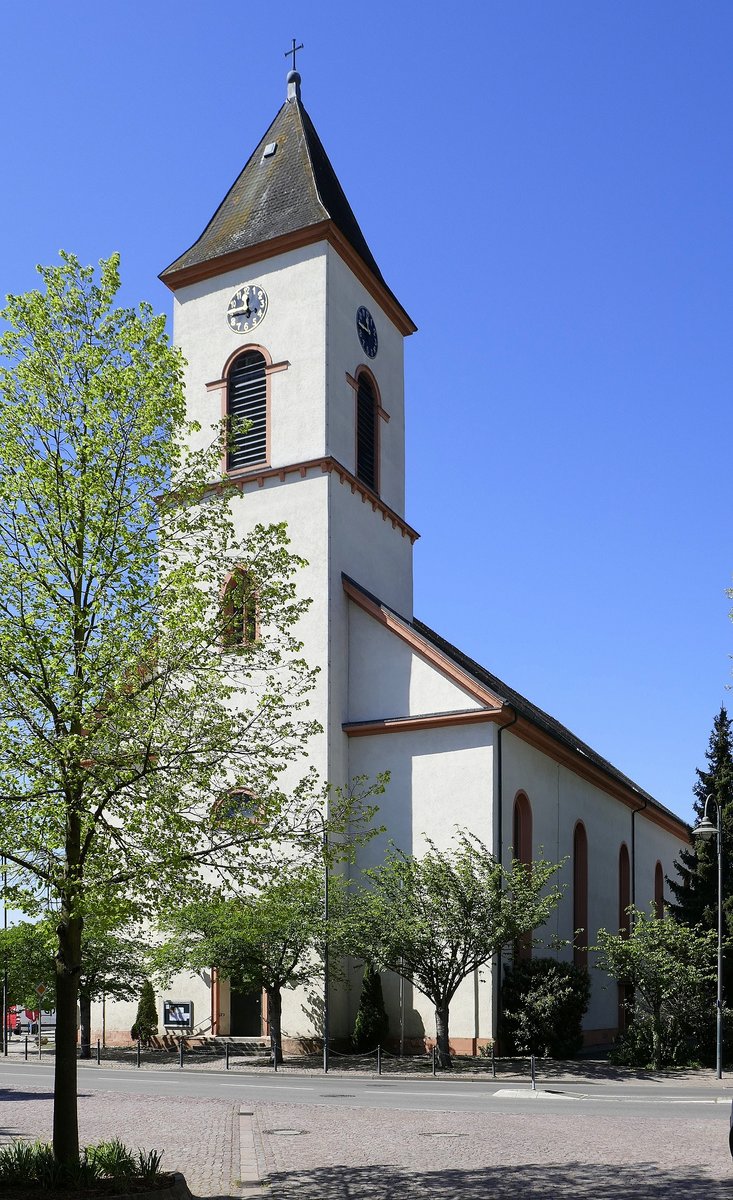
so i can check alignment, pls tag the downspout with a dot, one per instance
(499, 793)
(633, 849)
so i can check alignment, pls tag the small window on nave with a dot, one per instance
(247, 411)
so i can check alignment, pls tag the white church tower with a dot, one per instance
(283, 316)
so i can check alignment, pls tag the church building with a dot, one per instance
(284, 317)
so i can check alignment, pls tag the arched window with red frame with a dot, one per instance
(624, 890)
(659, 890)
(522, 849)
(580, 896)
(246, 411)
(239, 610)
(367, 430)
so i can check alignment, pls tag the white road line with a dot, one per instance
(278, 1087)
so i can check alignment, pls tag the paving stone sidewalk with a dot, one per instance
(198, 1137)
(374, 1154)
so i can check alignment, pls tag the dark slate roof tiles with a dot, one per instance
(286, 192)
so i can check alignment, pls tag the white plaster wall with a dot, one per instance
(559, 798)
(440, 779)
(387, 678)
(345, 294)
(293, 330)
(118, 1016)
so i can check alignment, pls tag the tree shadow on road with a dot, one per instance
(599, 1181)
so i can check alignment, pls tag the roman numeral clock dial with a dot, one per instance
(367, 331)
(247, 308)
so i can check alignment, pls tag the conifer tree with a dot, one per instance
(696, 889)
(371, 1026)
(146, 1021)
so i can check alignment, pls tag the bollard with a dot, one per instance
(26, 1047)
(532, 1073)
(275, 1048)
(138, 1051)
(180, 1053)
(379, 1060)
(99, 1052)
(435, 1071)
(493, 1062)
(226, 1054)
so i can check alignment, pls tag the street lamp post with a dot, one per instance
(705, 830)
(316, 812)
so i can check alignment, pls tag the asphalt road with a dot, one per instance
(586, 1097)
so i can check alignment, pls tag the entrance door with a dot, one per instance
(245, 1018)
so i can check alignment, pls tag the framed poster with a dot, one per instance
(178, 1014)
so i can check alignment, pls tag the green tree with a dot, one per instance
(267, 940)
(695, 890)
(112, 965)
(671, 968)
(146, 1018)
(371, 1024)
(543, 1002)
(122, 719)
(433, 920)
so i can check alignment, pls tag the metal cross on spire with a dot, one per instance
(293, 50)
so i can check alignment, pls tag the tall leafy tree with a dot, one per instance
(125, 712)
(112, 965)
(696, 888)
(435, 919)
(671, 968)
(272, 933)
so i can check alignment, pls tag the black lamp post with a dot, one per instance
(316, 812)
(706, 831)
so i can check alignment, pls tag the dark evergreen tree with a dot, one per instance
(696, 890)
(371, 1027)
(146, 1021)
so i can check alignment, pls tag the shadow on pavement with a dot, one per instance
(12, 1094)
(598, 1180)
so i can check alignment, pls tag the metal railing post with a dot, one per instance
(379, 1060)
(99, 1052)
(435, 1071)
(138, 1052)
(226, 1054)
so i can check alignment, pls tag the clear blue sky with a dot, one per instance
(548, 187)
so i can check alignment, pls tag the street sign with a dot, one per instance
(41, 989)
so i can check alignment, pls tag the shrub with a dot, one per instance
(543, 1004)
(146, 1021)
(371, 1027)
(32, 1164)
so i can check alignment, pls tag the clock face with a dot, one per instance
(367, 331)
(247, 308)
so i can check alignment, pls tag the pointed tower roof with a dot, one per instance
(288, 195)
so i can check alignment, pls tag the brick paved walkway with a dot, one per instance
(198, 1137)
(371, 1154)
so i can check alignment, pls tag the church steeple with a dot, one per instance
(287, 195)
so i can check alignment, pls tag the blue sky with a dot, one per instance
(548, 188)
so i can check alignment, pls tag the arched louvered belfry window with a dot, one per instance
(247, 402)
(580, 896)
(366, 432)
(522, 849)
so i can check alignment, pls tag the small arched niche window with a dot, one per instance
(580, 896)
(239, 610)
(658, 890)
(522, 846)
(624, 891)
(235, 808)
(367, 432)
(246, 411)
